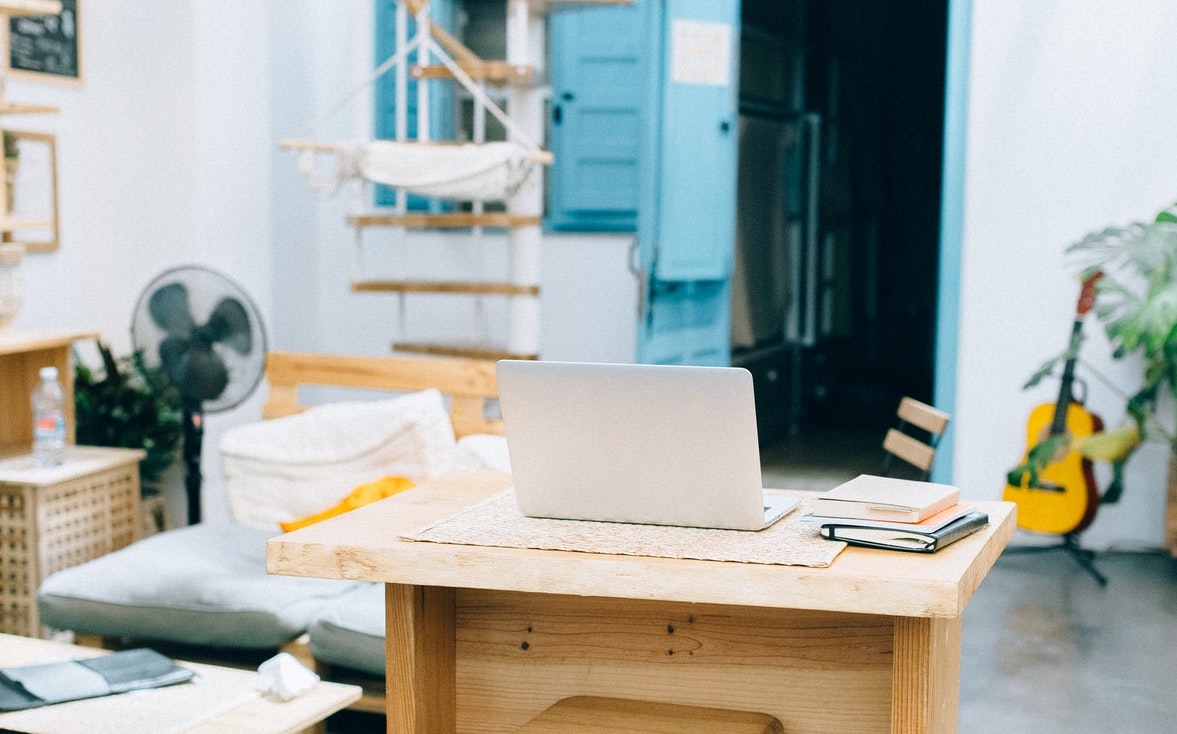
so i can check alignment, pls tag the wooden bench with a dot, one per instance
(467, 384)
(595, 715)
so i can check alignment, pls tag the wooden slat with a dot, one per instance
(913, 451)
(458, 220)
(452, 45)
(1171, 510)
(923, 415)
(552, 6)
(468, 351)
(7, 224)
(468, 382)
(594, 714)
(445, 286)
(30, 7)
(17, 108)
(499, 72)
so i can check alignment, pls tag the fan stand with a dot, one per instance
(1069, 545)
(193, 438)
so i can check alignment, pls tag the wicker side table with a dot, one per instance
(55, 518)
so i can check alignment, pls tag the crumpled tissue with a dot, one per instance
(285, 677)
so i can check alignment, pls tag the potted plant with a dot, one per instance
(126, 406)
(1136, 301)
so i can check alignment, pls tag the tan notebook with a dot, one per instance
(886, 498)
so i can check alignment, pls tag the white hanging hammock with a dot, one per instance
(457, 171)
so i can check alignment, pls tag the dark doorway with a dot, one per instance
(849, 95)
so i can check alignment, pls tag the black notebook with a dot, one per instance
(30, 686)
(919, 541)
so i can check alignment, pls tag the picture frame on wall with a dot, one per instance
(30, 182)
(46, 47)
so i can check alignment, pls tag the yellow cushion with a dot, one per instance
(360, 496)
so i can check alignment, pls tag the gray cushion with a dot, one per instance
(350, 632)
(204, 585)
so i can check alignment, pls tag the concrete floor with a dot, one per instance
(1046, 649)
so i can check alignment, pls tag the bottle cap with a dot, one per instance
(48, 373)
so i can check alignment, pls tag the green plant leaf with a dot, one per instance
(129, 407)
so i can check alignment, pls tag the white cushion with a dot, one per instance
(482, 451)
(287, 468)
(350, 630)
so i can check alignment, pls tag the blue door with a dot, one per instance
(685, 245)
(596, 59)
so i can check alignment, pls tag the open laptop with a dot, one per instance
(651, 444)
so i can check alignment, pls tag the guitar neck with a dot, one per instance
(1059, 424)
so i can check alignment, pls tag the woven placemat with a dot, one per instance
(498, 522)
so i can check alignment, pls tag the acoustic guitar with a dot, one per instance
(1054, 486)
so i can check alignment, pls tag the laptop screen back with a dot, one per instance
(669, 445)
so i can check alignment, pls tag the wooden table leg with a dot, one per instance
(926, 684)
(419, 651)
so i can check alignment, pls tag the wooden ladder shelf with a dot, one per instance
(455, 220)
(445, 286)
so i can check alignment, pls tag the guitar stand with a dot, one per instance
(1070, 545)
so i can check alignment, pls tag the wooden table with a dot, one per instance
(218, 701)
(481, 639)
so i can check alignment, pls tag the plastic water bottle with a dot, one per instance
(48, 401)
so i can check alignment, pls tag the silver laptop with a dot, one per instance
(651, 444)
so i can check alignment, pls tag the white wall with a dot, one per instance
(162, 154)
(1071, 119)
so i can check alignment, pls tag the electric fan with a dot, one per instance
(201, 331)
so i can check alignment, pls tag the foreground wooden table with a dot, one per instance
(218, 701)
(482, 639)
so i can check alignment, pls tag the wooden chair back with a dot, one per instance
(468, 384)
(915, 437)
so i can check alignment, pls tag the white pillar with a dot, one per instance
(526, 46)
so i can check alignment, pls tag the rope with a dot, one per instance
(381, 70)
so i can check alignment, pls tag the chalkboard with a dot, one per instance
(46, 46)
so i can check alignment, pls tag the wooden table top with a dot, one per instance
(15, 342)
(365, 545)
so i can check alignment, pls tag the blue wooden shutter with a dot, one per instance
(595, 63)
(441, 98)
(686, 234)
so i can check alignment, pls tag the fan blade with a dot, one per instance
(172, 358)
(229, 325)
(194, 368)
(169, 309)
(208, 375)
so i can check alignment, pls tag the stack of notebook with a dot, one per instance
(898, 514)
